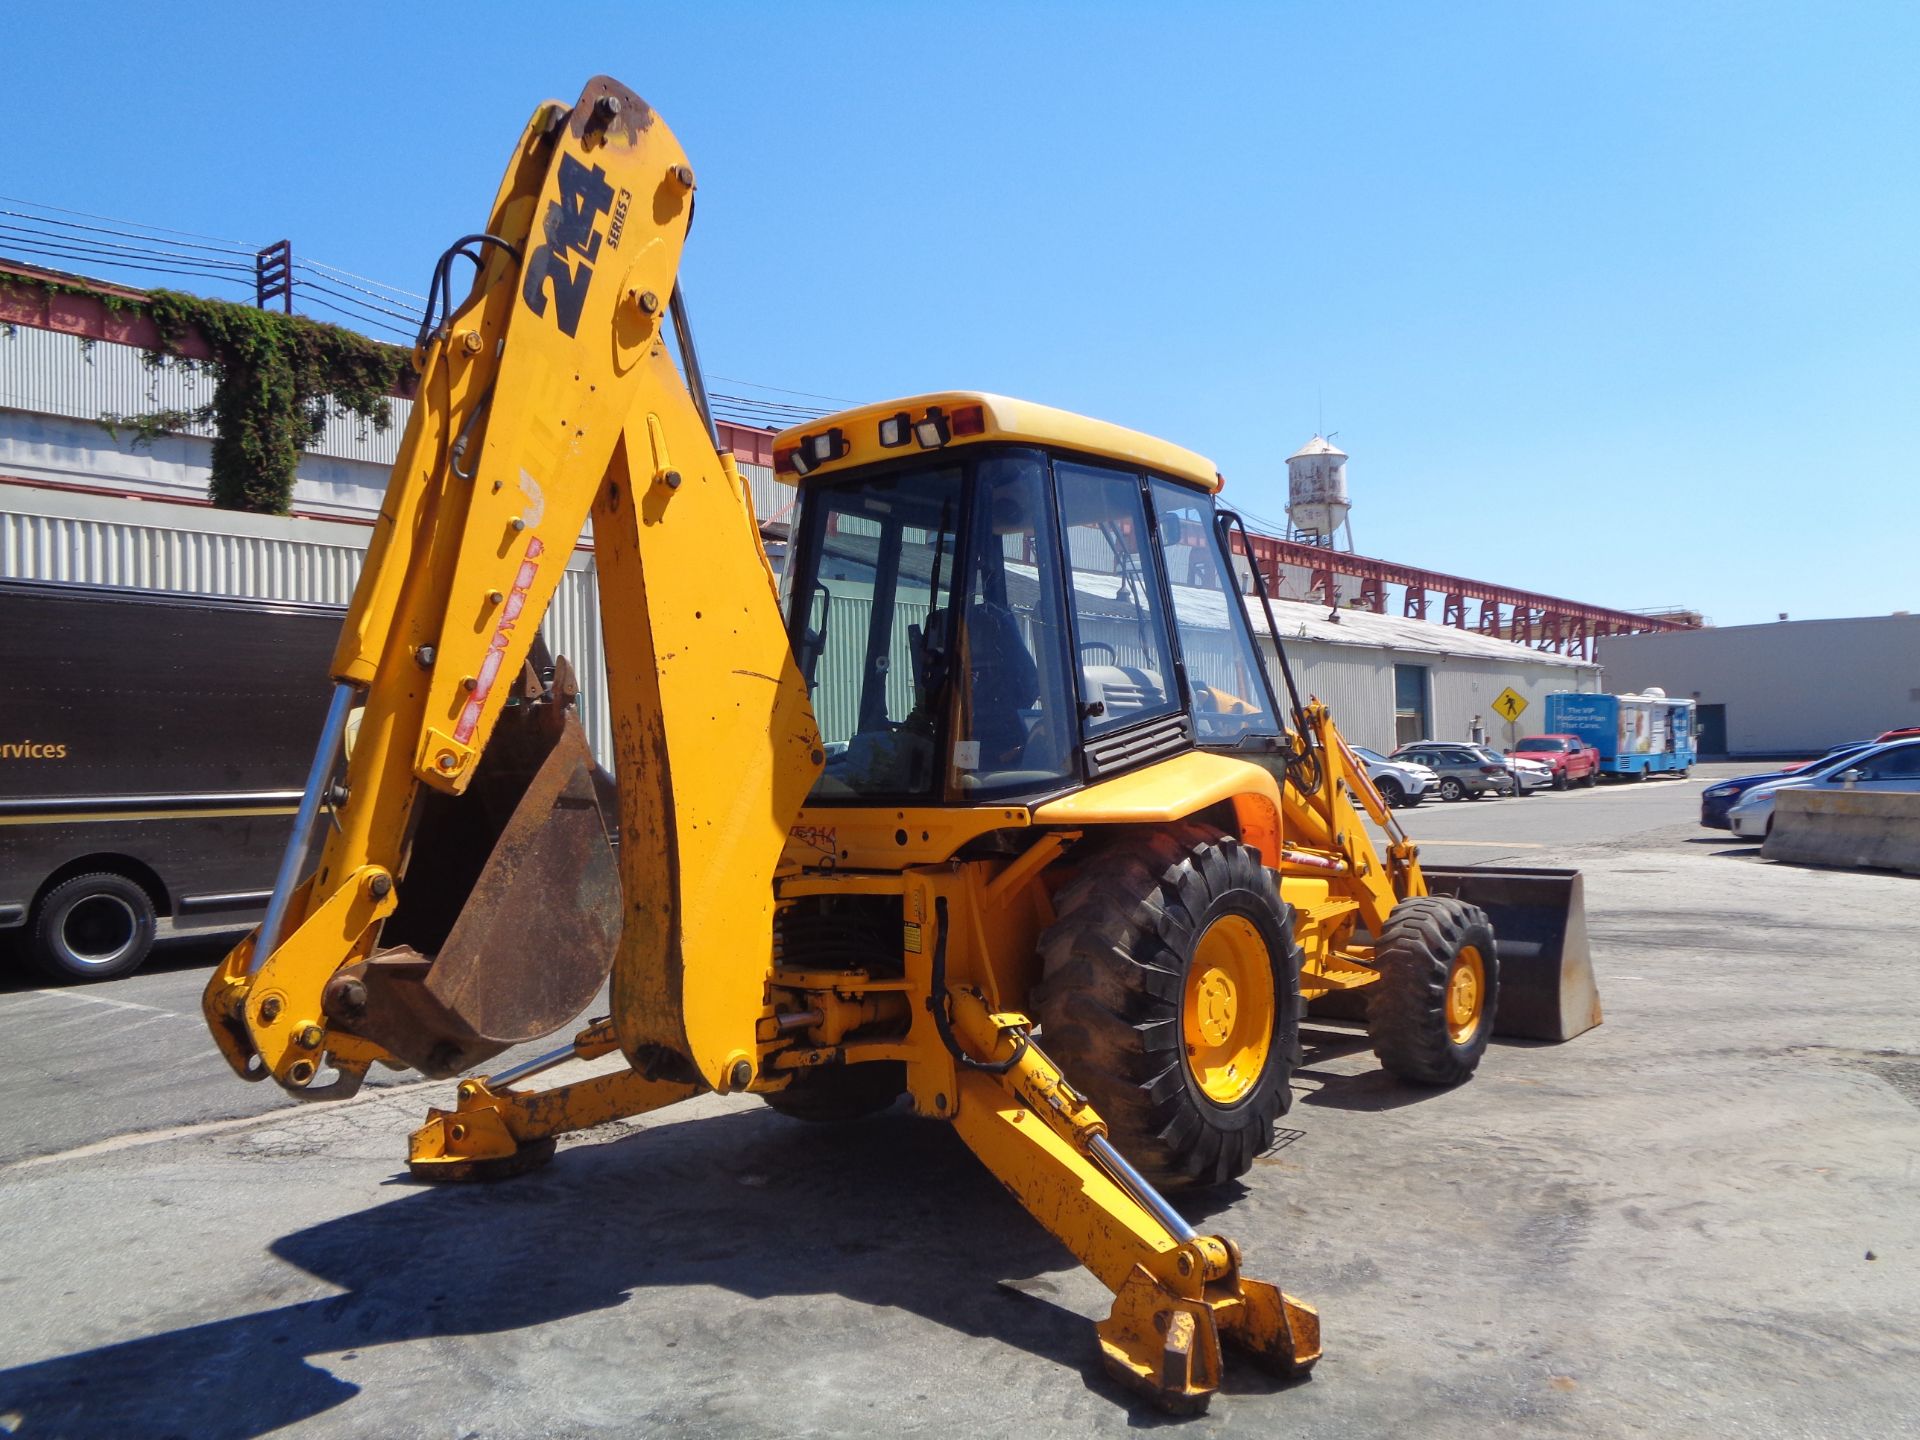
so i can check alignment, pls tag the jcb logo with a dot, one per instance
(565, 261)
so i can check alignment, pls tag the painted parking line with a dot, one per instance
(103, 1000)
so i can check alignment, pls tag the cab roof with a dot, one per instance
(999, 419)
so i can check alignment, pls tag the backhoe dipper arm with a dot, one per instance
(547, 396)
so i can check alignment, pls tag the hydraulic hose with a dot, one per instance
(937, 1002)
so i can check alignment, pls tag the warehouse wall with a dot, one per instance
(1357, 683)
(1794, 687)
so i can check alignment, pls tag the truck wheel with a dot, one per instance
(1171, 997)
(1560, 781)
(1391, 792)
(834, 1094)
(1451, 789)
(92, 927)
(1430, 1014)
(1592, 778)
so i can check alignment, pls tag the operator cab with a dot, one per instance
(997, 601)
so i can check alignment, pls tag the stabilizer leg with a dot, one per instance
(1178, 1294)
(496, 1131)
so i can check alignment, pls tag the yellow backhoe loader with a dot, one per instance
(994, 808)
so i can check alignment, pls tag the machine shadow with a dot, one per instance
(892, 1213)
(1374, 1089)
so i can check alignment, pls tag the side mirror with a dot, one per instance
(1850, 778)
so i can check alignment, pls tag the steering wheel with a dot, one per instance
(1113, 655)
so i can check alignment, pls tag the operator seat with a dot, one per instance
(1005, 682)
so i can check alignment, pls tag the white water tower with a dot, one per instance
(1317, 503)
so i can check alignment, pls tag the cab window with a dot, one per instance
(1122, 648)
(1013, 721)
(869, 623)
(1231, 697)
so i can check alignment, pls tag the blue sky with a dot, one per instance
(1616, 302)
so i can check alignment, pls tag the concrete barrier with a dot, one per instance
(1857, 828)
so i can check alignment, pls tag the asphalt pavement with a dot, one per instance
(1702, 1218)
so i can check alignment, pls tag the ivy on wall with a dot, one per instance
(275, 377)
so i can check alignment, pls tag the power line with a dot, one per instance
(809, 394)
(174, 245)
(361, 320)
(348, 274)
(135, 224)
(300, 285)
(183, 268)
(111, 250)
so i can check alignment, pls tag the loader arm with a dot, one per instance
(547, 396)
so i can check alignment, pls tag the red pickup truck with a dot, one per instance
(1571, 759)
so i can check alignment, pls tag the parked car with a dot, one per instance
(1878, 768)
(1844, 748)
(1531, 774)
(1464, 770)
(1572, 760)
(1401, 783)
(1721, 796)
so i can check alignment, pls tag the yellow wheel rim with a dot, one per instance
(1466, 989)
(1227, 1013)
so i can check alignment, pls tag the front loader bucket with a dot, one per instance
(1547, 991)
(510, 905)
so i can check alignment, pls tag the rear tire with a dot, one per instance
(92, 927)
(1430, 1014)
(836, 1094)
(1171, 998)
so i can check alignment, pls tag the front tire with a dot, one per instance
(92, 927)
(1451, 789)
(1560, 781)
(1391, 793)
(1430, 1014)
(1171, 997)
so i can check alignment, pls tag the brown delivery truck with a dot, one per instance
(152, 751)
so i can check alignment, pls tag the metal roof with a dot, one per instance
(1318, 445)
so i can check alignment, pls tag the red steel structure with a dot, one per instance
(1544, 622)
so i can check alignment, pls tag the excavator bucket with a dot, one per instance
(510, 908)
(1547, 990)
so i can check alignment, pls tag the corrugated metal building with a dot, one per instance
(1389, 680)
(1794, 687)
(80, 501)
(162, 545)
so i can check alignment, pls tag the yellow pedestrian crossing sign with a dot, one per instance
(1510, 703)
